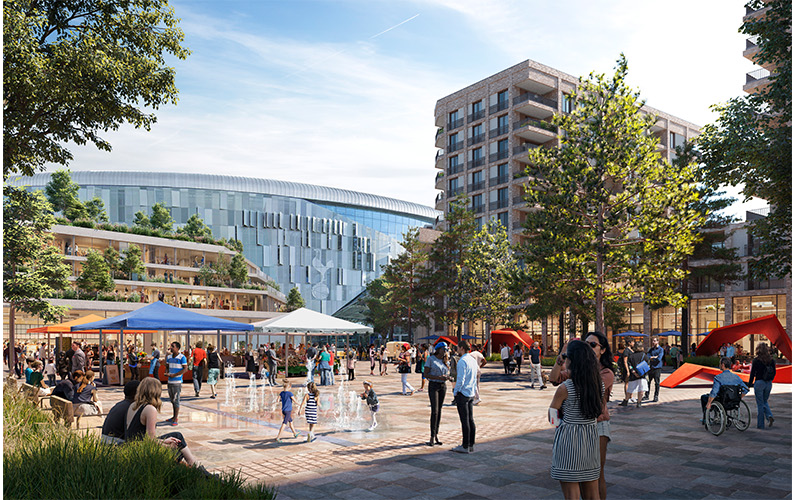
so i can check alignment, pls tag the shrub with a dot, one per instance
(548, 360)
(88, 468)
(495, 356)
(713, 361)
(84, 223)
(134, 297)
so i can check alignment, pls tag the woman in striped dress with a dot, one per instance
(310, 404)
(576, 454)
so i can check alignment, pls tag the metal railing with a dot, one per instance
(495, 132)
(476, 115)
(518, 224)
(477, 209)
(455, 192)
(499, 155)
(475, 186)
(518, 200)
(477, 139)
(535, 98)
(439, 132)
(453, 124)
(455, 169)
(439, 155)
(524, 147)
(497, 204)
(477, 162)
(535, 123)
(456, 146)
(501, 179)
(499, 106)
(439, 176)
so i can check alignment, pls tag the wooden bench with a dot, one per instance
(63, 409)
(31, 393)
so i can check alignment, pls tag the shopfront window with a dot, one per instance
(706, 315)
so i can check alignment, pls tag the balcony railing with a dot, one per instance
(535, 98)
(524, 147)
(455, 169)
(751, 42)
(477, 209)
(501, 179)
(455, 191)
(453, 124)
(456, 146)
(475, 186)
(439, 176)
(439, 197)
(500, 155)
(535, 123)
(756, 75)
(439, 132)
(497, 204)
(477, 139)
(503, 129)
(499, 106)
(476, 115)
(477, 162)
(439, 155)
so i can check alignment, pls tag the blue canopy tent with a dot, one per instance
(161, 316)
(429, 337)
(670, 333)
(630, 333)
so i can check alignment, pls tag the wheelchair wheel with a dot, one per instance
(716, 419)
(741, 417)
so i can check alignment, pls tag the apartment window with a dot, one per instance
(479, 222)
(453, 139)
(677, 140)
(477, 157)
(503, 195)
(478, 204)
(477, 134)
(502, 172)
(454, 187)
(477, 111)
(501, 103)
(453, 165)
(477, 181)
(454, 120)
(503, 218)
(502, 151)
(455, 143)
(503, 97)
(567, 103)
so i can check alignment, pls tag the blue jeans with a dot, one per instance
(325, 374)
(762, 394)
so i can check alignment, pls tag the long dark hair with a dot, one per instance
(763, 353)
(584, 370)
(606, 358)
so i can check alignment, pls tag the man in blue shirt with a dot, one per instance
(726, 377)
(177, 365)
(464, 390)
(730, 351)
(655, 354)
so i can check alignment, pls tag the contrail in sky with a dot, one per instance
(394, 26)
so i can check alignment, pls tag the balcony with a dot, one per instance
(535, 105)
(455, 169)
(440, 154)
(518, 200)
(535, 130)
(504, 129)
(438, 178)
(456, 191)
(751, 42)
(498, 204)
(439, 138)
(476, 115)
(475, 186)
(454, 124)
(477, 162)
(500, 155)
(440, 197)
(456, 146)
(477, 209)
(501, 179)
(518, 225)
(523, 148)
(499, 106)
(756, 80)
(477, 139)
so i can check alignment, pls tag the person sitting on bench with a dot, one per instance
(37, 379)
(115, 422)
(725, 378)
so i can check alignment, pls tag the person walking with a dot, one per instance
(311, 406)
(77, 359)
(517, 354)
(404, 369)
(155, 360)
(624, 366)
(199, 362)
(177, 365)
(481, 362)
(436, 371)
(372, 352)
(505, 357)
(656, 354)
(310, 361)
(464, 391)
(351, 359)
(535, 357)
(287, 400)
(383, 361)
(574, 410)
(324, 366)
(213, 363)
(272, 364)
(763, 370)
(420, 362)
(637, 385)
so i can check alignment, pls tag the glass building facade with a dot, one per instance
(327, 242)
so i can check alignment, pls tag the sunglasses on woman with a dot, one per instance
(594, 344)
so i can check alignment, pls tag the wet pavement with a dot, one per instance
(658, 451)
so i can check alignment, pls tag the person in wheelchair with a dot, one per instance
(723, 380)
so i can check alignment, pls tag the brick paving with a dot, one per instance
(658, 451)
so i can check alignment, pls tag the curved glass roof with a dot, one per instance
(235, 183)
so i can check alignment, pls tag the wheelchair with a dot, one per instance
(728, 408)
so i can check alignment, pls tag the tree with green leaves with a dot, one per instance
(610, 210)
(62, 191)
(452, 303)
(379, 312)
(406, 289)
(486, 271)
(95, 276)
(95, 209)
(294, 300)
(33, 269)
(132, 264)
(750, 144)
(73, 69)
(195, 228)
(113, 260)
(238, 270)
(160, 219)
(141, 220)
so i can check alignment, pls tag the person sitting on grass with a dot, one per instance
(141, 420)
(287, 401)
(114, 426)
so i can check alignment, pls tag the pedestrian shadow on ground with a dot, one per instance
(377, 448)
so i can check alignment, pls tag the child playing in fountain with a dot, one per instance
(310, 404)
(287, 399)
(371, 400)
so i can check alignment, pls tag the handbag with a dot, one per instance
(404, 368)
(642, 368)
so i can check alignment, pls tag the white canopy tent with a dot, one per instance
(307, 322)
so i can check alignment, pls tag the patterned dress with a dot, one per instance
(311, 410)
(576, 456)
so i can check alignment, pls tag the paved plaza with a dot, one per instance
(658, 451)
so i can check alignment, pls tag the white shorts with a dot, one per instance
(640, 385)
(86, 410)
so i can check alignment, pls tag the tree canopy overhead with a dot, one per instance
(73, 69)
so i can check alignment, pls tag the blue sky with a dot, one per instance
(342, 93)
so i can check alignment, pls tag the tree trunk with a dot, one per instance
(11, 340)
(599, 320)
(561, 330)
(685, 337)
